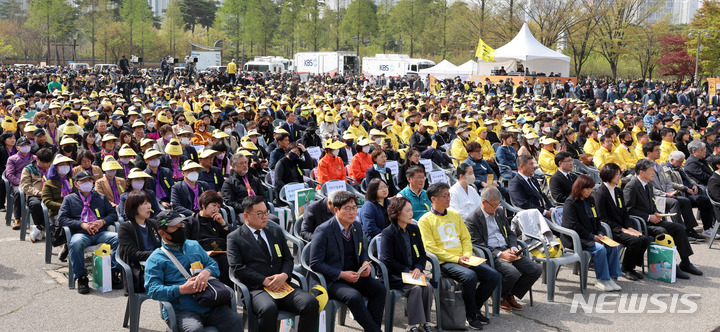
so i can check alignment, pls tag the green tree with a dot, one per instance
(198, 12)
(706, 18)
(173, 25)
(409, 18)
(52, 19)
(261, 21)
(288, 26)
(136, 14)
(231, 18)
(360, 22)
(310, 23)
(385, 36)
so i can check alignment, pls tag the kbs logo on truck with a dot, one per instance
(386, 67)
(310, 63)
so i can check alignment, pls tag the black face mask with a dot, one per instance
(178, 236)
(69, 149)
(628, 143)
(412, 124)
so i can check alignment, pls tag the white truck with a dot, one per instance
(393, 65)
(274, 64)
(342, 63)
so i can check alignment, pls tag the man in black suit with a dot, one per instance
(337, 252)
(316, 214)
(295, 130)
(240, 184)
(640, 202)
(696, 166)
(713, 187)
(561, 182)
(525, 191)
(260, 258)
(612, 210)
(489, 227)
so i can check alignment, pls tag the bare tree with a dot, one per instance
(551, 18)
(581, 38)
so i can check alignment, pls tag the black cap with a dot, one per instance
(168, 218)
(83, 175)
(39, 132)
(22, 141)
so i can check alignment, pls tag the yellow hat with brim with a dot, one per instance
(110, 164)
(279, 130)
(185, 131)
(249, 145)
(109, 137)
(146, 141)
(67, 140)
(513, 130)
(70, 128)
(253, 133)
(333, 144)
(219, 134)
(349, 135)
(426, 123)
(136, 173)
(126, 151)
(329, 118)
(174, 148)
(190, 165)
(245, 153)
(30, 128)
(164, 119)
(206, 153)
(548, 140)
(364, 141)
(138, 123)
(59, 159)
(531, 135)
(375, 132)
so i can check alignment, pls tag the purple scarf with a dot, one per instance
(196, 191)
(113, 186)
(159, 191)
(177, 174)
(87, 215)
(66, 187)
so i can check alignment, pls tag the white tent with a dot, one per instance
(526, 50)
(443, 70)
(468, 68)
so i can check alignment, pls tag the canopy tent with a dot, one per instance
(443, 70)
(468, 68)
(525, 49)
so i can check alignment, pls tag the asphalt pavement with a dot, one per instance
(35, 297)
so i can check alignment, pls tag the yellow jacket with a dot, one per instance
(358, 131)
(458, 150)
(232, 68)
(634, 133)
(603, 156)
(487, 150)
(638, 152)
(665, 149)
(445, 236)
(591, 145)
(546, 159)
(405, 135)
(398, 128)
(626, 156)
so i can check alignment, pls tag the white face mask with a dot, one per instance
(193, 176)
(335, 151)
(465, 134)
(366, 149)
(63, 170)
(357, 123)
(154, 162)
(185, 141)
(228, 131)
(120, 122)
(220, 156)
(470, 178)
(86, 187)
(138, 184)
(443, 130)
(111, 172)
(168, 137)
(151, 124)
(378, 141)
(93, 118)
(124, 160)
(25, 149)
(84, 113)
(205, 108)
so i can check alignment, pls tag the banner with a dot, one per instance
(303, 198)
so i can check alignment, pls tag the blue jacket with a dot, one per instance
(214, 178)
(182, 197)
(481, 169)
(420, 204)
(275, 156)
(506, 155)
(327, 251)
(372, 218)
(72, 206)
(163, 279)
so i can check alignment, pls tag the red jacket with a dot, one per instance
(359, 164)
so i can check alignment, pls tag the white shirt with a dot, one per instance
(262, 233)
(611, 188)
(464, 202)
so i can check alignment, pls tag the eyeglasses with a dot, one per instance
(181, 120)
(491, 204)
(261, 213)
(349, 208)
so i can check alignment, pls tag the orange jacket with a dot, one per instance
(359, 164)
(331, 168)
(203, 138)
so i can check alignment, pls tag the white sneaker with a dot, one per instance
(35, 234)
(604, 286)
(708, 234)
(614, 285)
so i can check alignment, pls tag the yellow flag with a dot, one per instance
(484, 51)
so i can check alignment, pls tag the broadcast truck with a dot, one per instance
(393, 65)
(342, 63)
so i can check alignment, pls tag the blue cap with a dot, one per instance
(712, 119)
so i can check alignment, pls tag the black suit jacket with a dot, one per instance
(297, 131)
(315, 214)
(130, 252)
(561, 186)
(248, 260)
(394, 252)
(614, 213)
(525, 197)
(234, 190)
(640, 201)
(477, 227)
(182, 197)
(698, 170)
(713, 190)
(343, 155)
(577, 218)
(327, 253)
(372, 173)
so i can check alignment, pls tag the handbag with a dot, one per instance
(215, 294)
(452, 306)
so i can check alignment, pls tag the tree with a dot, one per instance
(52, 19)
(198, 12)
(287, 27)
(409, 18)
(646, 50)
(360, 22)
(707, 18)
(582, 39)
(551, 18)
(231, 19)
(261, 21)
(385, 35)
(173, 24)
(310, 22)
(675, 59)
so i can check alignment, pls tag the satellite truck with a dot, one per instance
(393, 65)
(274, 64)
(342, 63)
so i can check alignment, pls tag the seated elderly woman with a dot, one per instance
(137, 180)
(403, 252)
(208, 227)
(137, 237)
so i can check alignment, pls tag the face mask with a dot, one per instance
(443, 130)
(706, 114)
(293, 156)
(185, 141)
(154, 162)
(476, 117)
(193, 176)
(24, 149)
(465, 134)
(228, 131)
(221, 156)
(400, 120)
(151, 125)
(205, 108)
(546, 129)
(366, 149)
(124, 160)
(138, 104)
(168, 137)
(111, 172)
(412, 124)
(335, 152)
(138, 184)
(86, 187)
(178, 236)
(357, 123)
(378, 141)
(470, 178)
(93, 118)
(84, 113)
(69, 149)
(120, 122)
(628, 143)
(63, 170)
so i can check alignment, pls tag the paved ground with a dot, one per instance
(35, 297)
